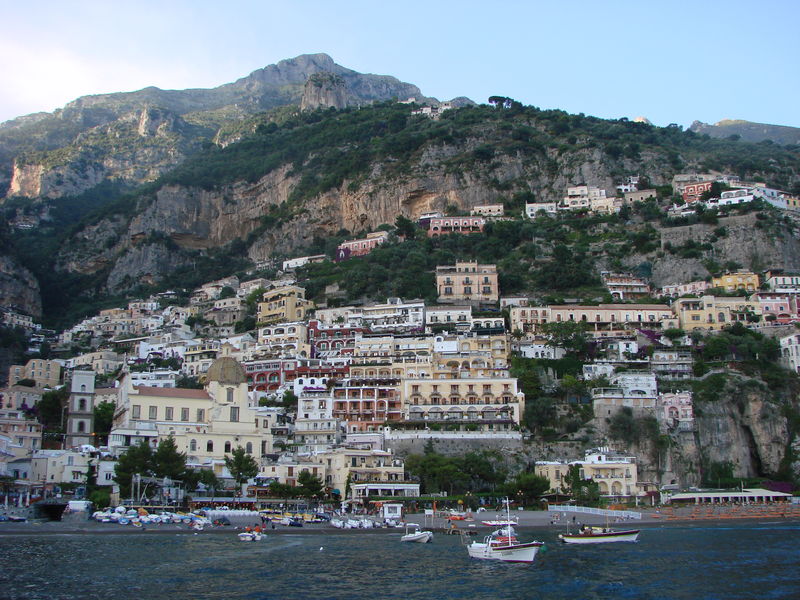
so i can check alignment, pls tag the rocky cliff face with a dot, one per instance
(18, 287)
(754, 244)
(135, 148)
(324, 90)
(135, 136)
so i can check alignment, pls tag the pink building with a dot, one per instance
(362, 246)
(683, 289)
(332, 340)
(693, 191)
(448, 225)
(675, 409)
(783, 307)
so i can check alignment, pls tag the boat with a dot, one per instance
(599, 535)
(420, 536)
(250, 536)
(502, 544)
(500, 523)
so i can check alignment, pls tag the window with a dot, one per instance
(193, 445)
(81, 427)
(249, 448)
(153, 413)
(184, 414)
(168, 413)
(227, 447)
(82, 404)
(229, 394)
(209, 446)
(201, 415)
(234, 414)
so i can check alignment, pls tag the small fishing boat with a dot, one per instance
(417, 535)
(503, 544)
(250, 536)
(599, 535)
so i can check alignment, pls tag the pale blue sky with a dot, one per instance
(670, 61)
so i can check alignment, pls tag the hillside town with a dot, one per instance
(345, 393)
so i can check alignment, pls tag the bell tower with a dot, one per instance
(80, 410)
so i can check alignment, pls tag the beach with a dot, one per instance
(78, 523)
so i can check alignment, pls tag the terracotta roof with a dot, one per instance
(145, 390)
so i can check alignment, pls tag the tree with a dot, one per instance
(138, 459)
(209, 479)
(437, 473)
(310, 485)
(405, 227)
(103, 418)
(167, 461)
(226, 292)
(570, 335)
(528, 487)
(51, 409)
(241, 465)
(584, 491)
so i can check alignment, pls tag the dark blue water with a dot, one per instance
(757, 561)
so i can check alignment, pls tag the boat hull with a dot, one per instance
(601, 538)
(524, 553)
(421, 537)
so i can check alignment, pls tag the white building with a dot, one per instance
(163, 378)
(790, 352)
(632, 389)
(532, 209)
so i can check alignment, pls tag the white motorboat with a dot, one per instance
(250, 536)
(500, 522)
(599, 535)
(503, 544)
(418, 535)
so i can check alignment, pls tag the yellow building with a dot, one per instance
(741, 280)
(712, 312)
(491, 404)
(206, 424)
(616, 475)
(46, 373)
(467, 282)
(603, 320)
(284, 339)
(285, 303)
(369, 472)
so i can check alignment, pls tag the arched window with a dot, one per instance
(249, 448)
(82, 404)
(83, 387)
(229, 392)
(227, 447)
(81, 427)
(209, 446)
(193, 445)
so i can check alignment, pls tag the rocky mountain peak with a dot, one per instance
(324, 90)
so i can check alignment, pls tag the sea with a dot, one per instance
(690, 562)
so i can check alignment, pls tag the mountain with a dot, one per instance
(133, 137)
(749, 131)
(206, 183)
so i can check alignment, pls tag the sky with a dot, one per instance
(672, 61)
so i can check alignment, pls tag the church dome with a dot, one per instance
(227, 371)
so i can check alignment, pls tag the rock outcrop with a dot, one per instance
(135, 136)
(324, 90)
(19, 288)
